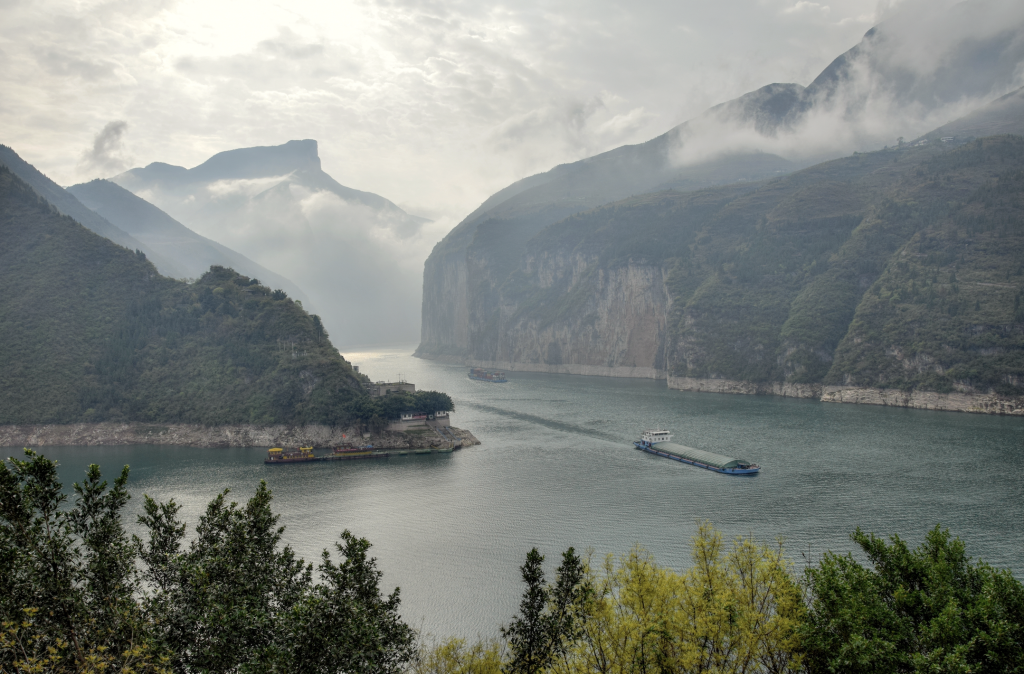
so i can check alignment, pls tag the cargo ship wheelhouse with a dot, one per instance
(660, 443)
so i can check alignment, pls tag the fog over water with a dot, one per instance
(556, 468)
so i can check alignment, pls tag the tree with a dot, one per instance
(345, 624)
(455, 656)
(732, 611)
(924, 610)
(219, 604)
(67, 591)
(236, 600)
(78, 595)
(550, 618)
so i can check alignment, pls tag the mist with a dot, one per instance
(925, 64)
(358, 257)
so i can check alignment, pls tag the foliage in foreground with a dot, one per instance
(745, 610)
(924, 610)
(79, 595)
(737, 609)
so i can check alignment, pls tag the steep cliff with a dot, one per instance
(895, 270)
(868, 96)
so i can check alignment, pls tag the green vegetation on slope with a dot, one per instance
(946, 312)
(793, 280)
(90, 332)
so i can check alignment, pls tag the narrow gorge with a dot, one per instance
(889, 278)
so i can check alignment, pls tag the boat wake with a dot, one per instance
(547, 423)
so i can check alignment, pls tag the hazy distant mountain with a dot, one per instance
(90, 332)
(278, 207)
(67, 204)
(907, 76)
(193, 253)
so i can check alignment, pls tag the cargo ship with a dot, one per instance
(660, 443)
(279, 455)
(305, 454)
(364, 452)
(480, 374)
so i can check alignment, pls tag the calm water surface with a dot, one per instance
(556, 468)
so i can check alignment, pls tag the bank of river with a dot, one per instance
(194, 435)
(556, 467)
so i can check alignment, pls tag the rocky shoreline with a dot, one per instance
(189, 435)
(957, 401)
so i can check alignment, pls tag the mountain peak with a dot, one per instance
(260, 162)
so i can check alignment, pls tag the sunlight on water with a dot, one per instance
(557, 468)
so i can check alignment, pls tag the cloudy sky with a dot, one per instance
(434, 105)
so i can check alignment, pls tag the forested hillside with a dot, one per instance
(90, 332)
(873, 93)
(902, 268)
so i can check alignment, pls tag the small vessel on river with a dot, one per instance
(279, 455)
(660, 443)
(494, 376)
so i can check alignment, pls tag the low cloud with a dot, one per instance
(924, 66)
(107, 154)
(360, 264)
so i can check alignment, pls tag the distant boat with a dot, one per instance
(278, 455)
(494, 376)
(660, 443)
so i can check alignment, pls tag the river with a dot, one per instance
(557, 468)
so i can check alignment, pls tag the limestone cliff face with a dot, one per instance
(445, 328)
(566, 312)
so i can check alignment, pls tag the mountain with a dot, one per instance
(89, 331)
(68, 205)
(350, 250)
(908, 75)
(193, 253)
(898, 270)
(1003, 115)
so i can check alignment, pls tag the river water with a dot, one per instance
(557, 468)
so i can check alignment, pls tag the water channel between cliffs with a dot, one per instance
(556, 468)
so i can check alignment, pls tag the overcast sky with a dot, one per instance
(434, 105)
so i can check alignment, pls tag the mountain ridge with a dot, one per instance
(160, 232)
(69, 205)
(890, 277)
(463, 277)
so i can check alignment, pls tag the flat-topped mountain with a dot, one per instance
(348, 249)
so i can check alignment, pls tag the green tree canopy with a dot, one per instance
(930, 609)
(79, 595)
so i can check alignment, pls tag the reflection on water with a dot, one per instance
(557, 468)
